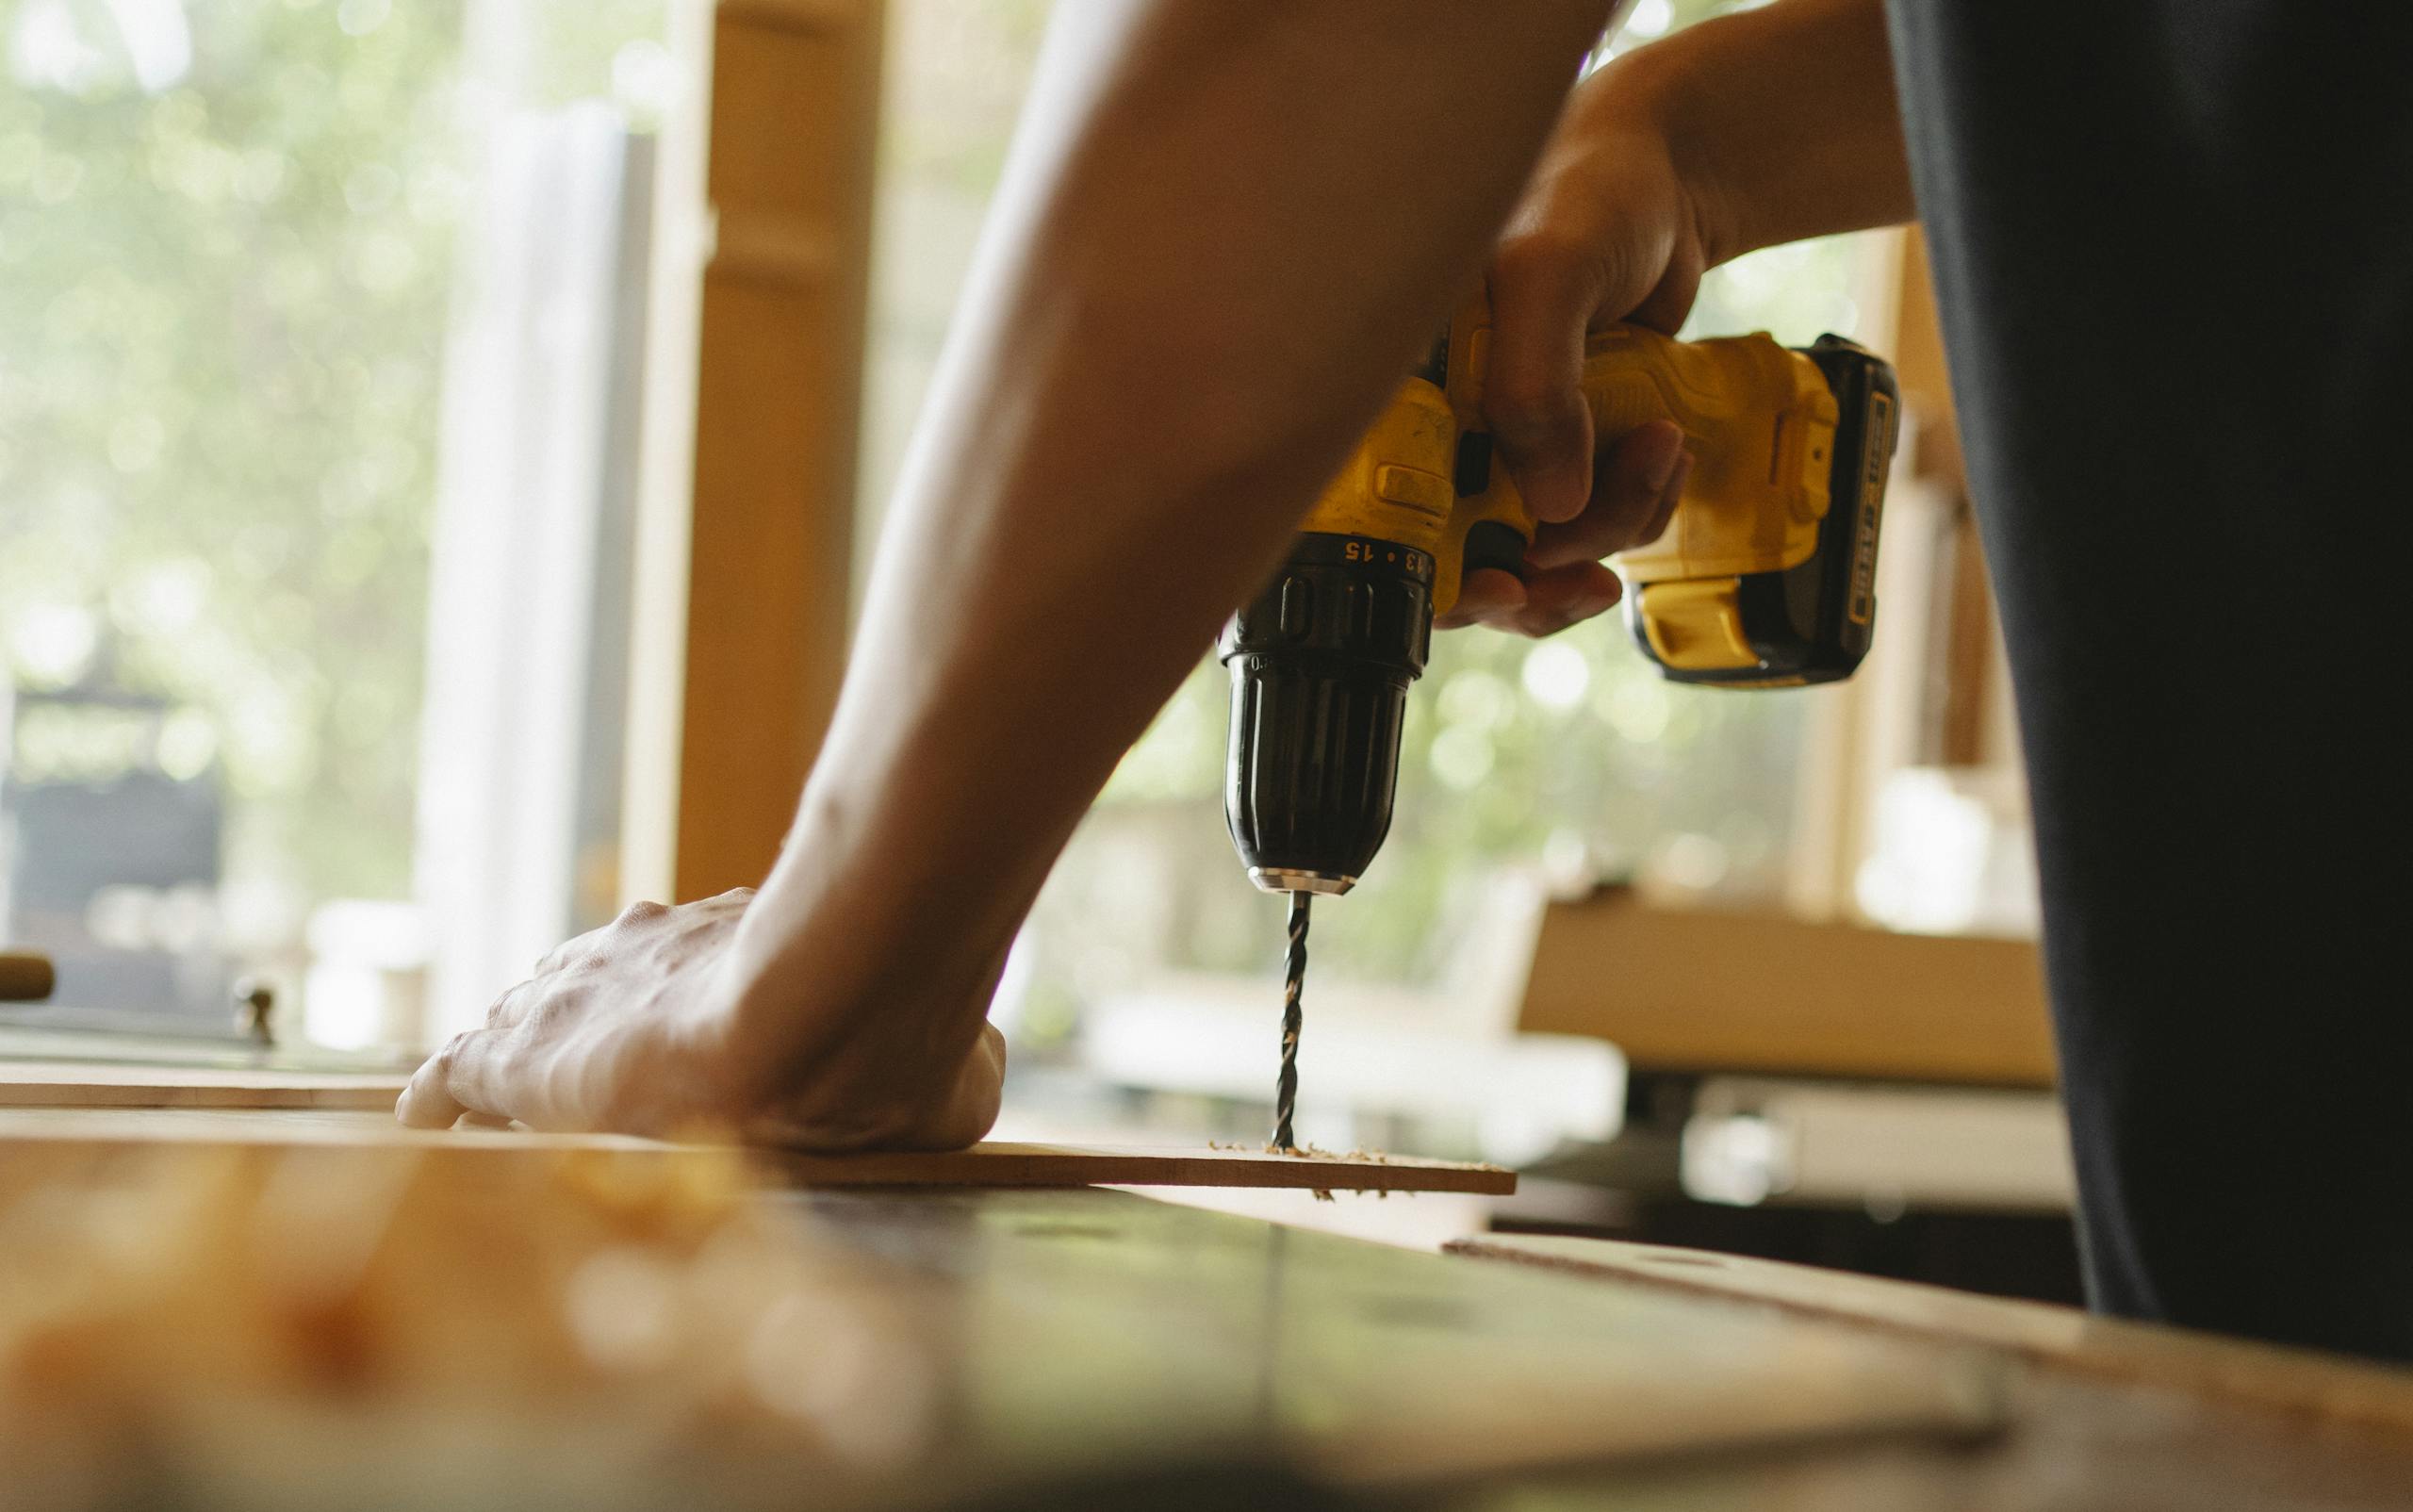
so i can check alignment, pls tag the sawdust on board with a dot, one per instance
(1316, 1152)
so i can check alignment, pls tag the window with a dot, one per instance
(295, 368)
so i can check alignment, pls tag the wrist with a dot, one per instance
(858, 976)
(1657, 94)
(1779, 123)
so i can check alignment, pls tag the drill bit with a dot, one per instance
(1294, 972)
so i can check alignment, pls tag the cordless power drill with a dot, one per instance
(1764, 576)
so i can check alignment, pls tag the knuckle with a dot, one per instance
(641, 912)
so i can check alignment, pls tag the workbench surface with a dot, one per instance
(1014, 1338)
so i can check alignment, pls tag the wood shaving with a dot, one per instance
(1313, 1152)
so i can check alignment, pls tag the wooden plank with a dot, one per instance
(793, 114)
(83, 1084)
(1704, 989)
(1935, 687)
(999, 1164)
(116, 1113)
(682, 243)
(2327, 1387)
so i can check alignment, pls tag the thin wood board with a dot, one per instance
(994, 1163)
(997, 1163)
(96, 1084)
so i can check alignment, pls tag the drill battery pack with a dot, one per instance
(1809, 622)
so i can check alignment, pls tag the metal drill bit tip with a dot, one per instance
(1294, 972)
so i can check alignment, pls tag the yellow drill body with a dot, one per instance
(1760, 421)
(1763, 577)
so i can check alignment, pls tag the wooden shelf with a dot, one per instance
(1704, 991)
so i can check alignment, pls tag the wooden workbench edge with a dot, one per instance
(2332, 1387)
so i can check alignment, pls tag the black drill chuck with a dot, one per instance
(1320, 661)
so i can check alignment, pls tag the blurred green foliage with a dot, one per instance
(223, 350)
(221, 363)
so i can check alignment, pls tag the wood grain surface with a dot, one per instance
(318, 1328)
(413, 1320)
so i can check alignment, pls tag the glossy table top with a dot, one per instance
(476, 1319)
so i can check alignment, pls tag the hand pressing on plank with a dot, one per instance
(639, 1027)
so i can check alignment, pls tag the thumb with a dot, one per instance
(1543, 293)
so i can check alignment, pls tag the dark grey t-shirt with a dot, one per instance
(2173, 248)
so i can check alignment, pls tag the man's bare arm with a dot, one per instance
(1226, 229)
(1740, 132)
(1786, 115)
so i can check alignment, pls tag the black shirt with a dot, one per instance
(2173, 249)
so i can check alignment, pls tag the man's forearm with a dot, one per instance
(1782, 120)
(1225, 232)
(1228, 229)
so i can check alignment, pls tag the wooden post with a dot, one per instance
(747, 538)
(1935, 691)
